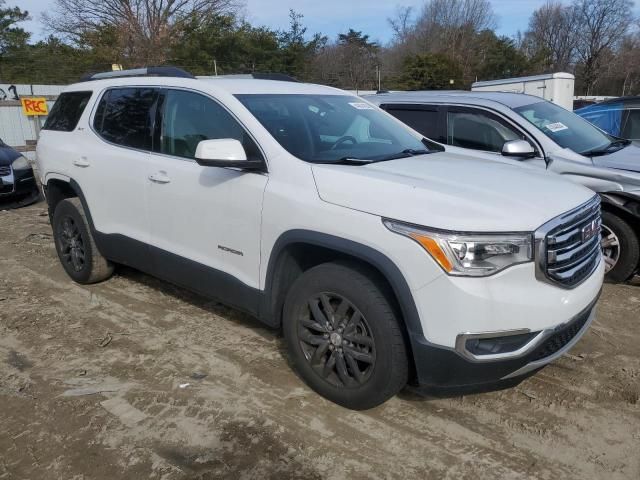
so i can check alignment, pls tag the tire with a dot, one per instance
(75, 245)
(620, 248)
(370, 363)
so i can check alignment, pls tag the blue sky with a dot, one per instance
(332, 16)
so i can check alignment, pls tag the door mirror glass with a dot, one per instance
(518, 149)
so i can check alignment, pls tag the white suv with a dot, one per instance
(383, 259)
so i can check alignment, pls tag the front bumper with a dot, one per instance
(438, 366)
(531, 315)
(18, 183)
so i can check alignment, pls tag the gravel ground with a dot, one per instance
(134, 378)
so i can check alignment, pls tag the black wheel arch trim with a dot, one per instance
(362, 252)
(624, 202)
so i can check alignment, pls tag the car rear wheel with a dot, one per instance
(620, 248)
(343, 336)
(75, 245)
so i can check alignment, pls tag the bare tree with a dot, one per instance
(625, 65)
(350, 62)
(552, 36)
(447, 25)
(145, 29)
(601, 26)
(401, 23)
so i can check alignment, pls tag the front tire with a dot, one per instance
(343, 336)
(75, 245)
(620, 248)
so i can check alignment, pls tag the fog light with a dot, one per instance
(495, 345)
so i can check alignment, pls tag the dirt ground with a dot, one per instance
(134, 378)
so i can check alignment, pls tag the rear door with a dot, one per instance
(117, 167)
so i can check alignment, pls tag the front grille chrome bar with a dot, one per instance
(567, 248)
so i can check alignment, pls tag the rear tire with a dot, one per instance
(75, 245)
(620, 248)
(343, 336)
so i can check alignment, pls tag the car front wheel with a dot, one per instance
(343, 336)
(619, 247)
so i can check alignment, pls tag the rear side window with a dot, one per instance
(125, 117)
(422, 120)
(67, 110)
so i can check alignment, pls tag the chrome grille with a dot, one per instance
(568, 247)
(5, 170)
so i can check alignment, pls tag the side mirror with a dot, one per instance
(224, 152)
(518, 149)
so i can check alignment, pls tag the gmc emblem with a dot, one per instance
(590, 230)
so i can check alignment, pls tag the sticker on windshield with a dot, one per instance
(556, 127)
(361, 105)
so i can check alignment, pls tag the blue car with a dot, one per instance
(619, 117)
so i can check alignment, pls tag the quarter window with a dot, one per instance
(125, 117)
(479, 131)
(67, 110)
(188, 118)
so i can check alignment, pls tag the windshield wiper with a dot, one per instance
(345, 161)
(409, 152)
(596, 152)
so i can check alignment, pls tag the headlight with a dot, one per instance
(469, 254)
(20, 163)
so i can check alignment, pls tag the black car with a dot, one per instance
(619, 117)
(17, 180)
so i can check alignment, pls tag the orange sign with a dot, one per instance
(34, 106)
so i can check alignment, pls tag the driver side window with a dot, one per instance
(478, 130)
(188, 118)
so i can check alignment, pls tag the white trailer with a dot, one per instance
(555, 87)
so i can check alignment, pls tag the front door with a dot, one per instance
(205, 221)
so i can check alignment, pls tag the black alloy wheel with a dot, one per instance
(75, 245)
(336, 340)
(72, 244)
(344, 336)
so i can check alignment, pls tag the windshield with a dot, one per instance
(332, 128)
(564, 127)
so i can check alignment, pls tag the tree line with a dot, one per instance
(444, 44)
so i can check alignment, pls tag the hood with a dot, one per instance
(451, 192)
(627, 158)
(7, 155)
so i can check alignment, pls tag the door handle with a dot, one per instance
(160, 177)
(81, 162)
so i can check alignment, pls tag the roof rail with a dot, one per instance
(281, 77)
(167, 71)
